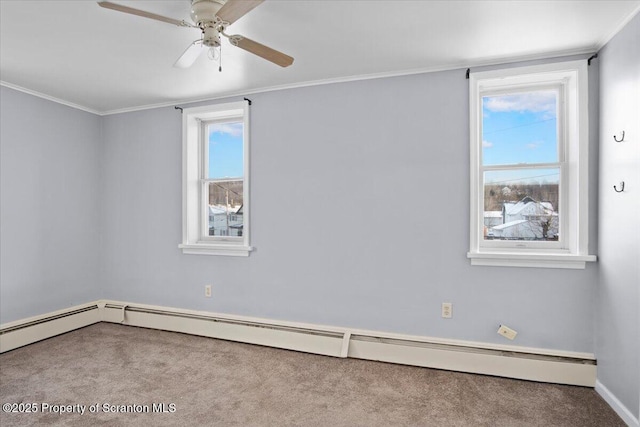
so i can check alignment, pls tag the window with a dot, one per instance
(529, 148)
(215, 180)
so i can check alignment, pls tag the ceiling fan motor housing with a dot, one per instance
(204, 11)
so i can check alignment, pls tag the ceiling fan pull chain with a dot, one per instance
(220, 59)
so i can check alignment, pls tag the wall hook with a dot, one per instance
(621, 139)
(621, 187)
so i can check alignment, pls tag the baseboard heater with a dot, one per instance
(368, 345)
(292, 338)
(18, 334)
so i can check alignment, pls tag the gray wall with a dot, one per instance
(618, 297)
(360, 200)
(49, 205)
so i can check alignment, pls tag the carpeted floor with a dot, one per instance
(203, 381)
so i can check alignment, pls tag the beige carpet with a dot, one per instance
(204, 381)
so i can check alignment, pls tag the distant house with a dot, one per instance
(225, 220)
(527, 219)
(492, 218)
(526, 207)
(519, 229)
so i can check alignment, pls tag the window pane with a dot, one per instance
(520, 128)
(521, 204)
(225, 208)
(225, 150)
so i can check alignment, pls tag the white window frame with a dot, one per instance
(571, 251)
(195, 214)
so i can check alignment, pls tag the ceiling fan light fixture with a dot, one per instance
(213, 53)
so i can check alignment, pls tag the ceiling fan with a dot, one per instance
(212, 17)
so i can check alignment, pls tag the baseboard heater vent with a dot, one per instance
(473, 350)
(18, 334)
(272, 335)
(510, 364)
(133, 309)
(46, 319)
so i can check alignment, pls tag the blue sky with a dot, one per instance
(225, 150)
(520, 128)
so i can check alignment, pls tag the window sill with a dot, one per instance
(215, 249)
(536, 260)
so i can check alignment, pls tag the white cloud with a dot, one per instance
(534, 145)
(534, 102)
(487, 144)
(233, 129)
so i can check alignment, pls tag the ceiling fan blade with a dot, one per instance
(190, 55)
(261, 50)
(132, 11)
(236, 9)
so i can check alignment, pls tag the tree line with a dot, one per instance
(496, 194)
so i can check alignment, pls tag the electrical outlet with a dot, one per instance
(447, 310)
(207, 291)
(507, 332)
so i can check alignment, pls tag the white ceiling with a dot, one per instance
(106, 61)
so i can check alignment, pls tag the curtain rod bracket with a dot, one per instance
(594, 56)
(248, 100)
(467, 75)
(178, 108)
